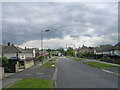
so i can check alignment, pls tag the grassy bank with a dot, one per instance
(33, 83)
(101, 65)
(47, 65)
(52, 60)
(76, 59)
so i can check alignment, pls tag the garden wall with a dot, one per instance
(28, 64)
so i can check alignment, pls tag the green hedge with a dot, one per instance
(4, 60)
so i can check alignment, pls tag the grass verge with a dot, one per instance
(100, 65)
(76, 59)
(33, 83)
(52, 60)
(47, 65)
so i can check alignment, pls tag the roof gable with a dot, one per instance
(10, 49)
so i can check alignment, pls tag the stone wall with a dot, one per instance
(28, 64)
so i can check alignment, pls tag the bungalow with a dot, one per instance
(105, 49)
(13, 51)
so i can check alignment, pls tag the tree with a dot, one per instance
(62, 51)
(70, 51)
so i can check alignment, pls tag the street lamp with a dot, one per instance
(42, 42)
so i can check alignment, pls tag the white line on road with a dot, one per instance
(109, 72)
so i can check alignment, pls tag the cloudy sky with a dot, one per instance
(78, 23)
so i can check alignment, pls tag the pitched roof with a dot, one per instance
(14, 49)
(107, 47)
(117, 46)
(10, 49)
(25, 50)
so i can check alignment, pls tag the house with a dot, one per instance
(58, 53)
(85, 49)
(44, 52)
(117, 49)
(13, 51)
(104, 49)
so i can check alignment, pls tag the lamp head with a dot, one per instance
(47, 30)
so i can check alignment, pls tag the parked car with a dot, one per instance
(14, 58)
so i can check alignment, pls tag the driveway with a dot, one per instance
(75, 74)
(33, 72)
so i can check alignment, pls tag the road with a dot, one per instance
(75, 74)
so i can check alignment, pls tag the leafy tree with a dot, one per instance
(70, 51)
(62, 51)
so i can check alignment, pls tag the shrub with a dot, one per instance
(88, 54)
(29, 58)
(40, 57)
(106, 59)
(4, 60)
(80, 55)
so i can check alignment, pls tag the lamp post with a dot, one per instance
(42, 43)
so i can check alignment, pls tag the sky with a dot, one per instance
(73, 23)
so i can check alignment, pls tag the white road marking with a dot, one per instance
(110, 72)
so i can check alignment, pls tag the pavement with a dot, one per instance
(75, 74)
(32, 72)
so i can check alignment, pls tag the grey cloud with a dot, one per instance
(23, 22)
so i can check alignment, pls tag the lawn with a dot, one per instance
(78, 59)
(97, 64)
(47, 65)
(33, 83)
(52, 60)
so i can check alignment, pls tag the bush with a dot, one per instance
(80, 55)
(88, 54)
(29, 58)
(40, 57)
(5, 61)
(106, 59)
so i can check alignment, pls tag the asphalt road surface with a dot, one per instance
(75, 74)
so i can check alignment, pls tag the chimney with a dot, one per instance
(8, 43)
(25, 47)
